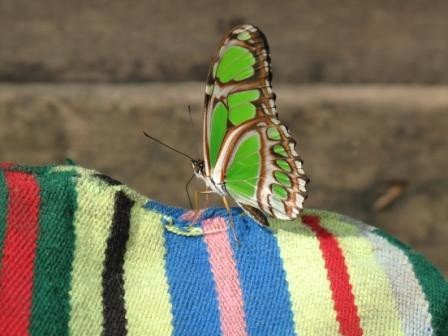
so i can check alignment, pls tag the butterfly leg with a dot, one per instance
(193, 214)
(196, 201)
(204, 192)
(197, 210)
(186, 189)
(231, 222)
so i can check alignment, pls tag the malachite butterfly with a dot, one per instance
(249, 154)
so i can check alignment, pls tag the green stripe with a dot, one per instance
(145, 264)
(3, 211)
(55, 244)
(431, 281)
(93, 219)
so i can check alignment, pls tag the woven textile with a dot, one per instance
(82, 254)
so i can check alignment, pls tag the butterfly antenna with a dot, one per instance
(167, 146)
(192, 125)
(186, 189)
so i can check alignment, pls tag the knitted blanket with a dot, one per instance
(82, 254)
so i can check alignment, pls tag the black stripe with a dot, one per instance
(113, 290)
(109, 180)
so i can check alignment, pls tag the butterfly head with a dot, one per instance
(198, 167)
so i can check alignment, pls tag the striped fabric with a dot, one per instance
(82, 254)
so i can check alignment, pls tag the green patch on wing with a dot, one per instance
(282, 178)
(217, 131)
(283, 164)
(236, 64)
(240, 105)
(273, 133)
(243, 173)
(280, 150)
(279, 191)
(244, 36)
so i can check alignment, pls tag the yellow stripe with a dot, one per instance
(92, 221)
(311, 296)
(77, 169)
(373, 295)
(148, 308)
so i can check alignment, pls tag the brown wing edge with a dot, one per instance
(255, 214)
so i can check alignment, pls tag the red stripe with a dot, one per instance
(16, 272)
(344, 301)
(5, 165)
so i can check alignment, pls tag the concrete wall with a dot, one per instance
(403, 41)
(362, 86)
(358, 143)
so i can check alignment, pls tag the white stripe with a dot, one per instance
(409, 297)
(408, 294)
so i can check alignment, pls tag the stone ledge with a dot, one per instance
(357, 142)
(322, 42)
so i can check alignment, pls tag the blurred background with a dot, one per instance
(363, 87)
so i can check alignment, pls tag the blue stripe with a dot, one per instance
(192, 288)
(267, 304)
(263, 280)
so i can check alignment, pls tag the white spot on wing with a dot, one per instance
(280, 215)
(285, 131)
(292, 149)
(294, 212)
(300, 200)
(266, 110)
(209, 89)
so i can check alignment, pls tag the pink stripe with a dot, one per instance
(192, 215)
(230, 296)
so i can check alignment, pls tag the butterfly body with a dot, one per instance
(199, 171)
(249, 154)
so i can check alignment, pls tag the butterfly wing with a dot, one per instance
(260, 167)
(239, 75)
(246, 148)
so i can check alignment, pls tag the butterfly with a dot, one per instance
(249, 153)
